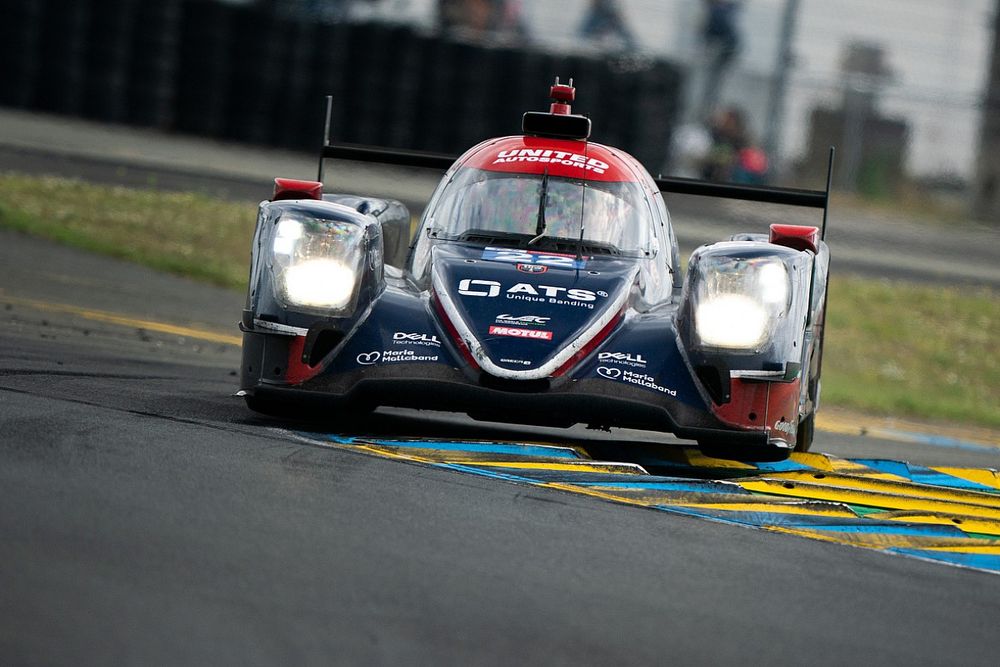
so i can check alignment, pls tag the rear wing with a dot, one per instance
(819, 199)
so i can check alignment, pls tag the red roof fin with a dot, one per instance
(799, 237)
(291, 188)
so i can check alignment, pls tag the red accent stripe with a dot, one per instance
(592, 345)
(298, 371)
(452, 331)
(760, 405)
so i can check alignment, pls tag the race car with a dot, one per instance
(542, 287)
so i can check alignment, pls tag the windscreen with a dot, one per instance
(615, 215)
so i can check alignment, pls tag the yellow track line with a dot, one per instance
(843, 423)
(964, 523)
(879, 499)
(888, 486)
(892, 541)
(125, 321)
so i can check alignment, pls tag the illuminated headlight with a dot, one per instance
(316, 262)
(319, 283)
(739, 301)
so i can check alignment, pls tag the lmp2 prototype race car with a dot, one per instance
(542, 287)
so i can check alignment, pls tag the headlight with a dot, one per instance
(316, 262)
(739, 301)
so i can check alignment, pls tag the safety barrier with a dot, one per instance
(240, 73)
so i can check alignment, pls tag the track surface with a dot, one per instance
(147, 517)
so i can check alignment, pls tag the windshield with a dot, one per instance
(615, 215)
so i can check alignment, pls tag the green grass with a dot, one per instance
(893, 349)
(916, 351)
(188, 234)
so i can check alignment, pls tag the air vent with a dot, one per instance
(711, 379)
(321, 343)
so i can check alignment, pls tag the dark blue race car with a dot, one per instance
(542, 286)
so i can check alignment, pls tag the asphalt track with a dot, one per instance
(148, 517)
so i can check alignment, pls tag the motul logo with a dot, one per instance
(514, 332)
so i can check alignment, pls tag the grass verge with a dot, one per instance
(189, 234)
(892, 348)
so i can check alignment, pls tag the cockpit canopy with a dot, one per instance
(613, 217)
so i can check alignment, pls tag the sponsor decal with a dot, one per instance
(532, 268)
(488, 288)
(784, 427)
(369, 358)
(546, 156)
(623, 358)
(639, 379)
(559, 296)
(403, 338)
(514, 332)
(521, 362)
(392, 356)
(534, 262)
(522, 320)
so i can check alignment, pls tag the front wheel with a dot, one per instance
(804, 436)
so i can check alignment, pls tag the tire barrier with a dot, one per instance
(109, 50)
(204, 63)
(62, 57)
(245, 73)
(20, 32)
(151, 93)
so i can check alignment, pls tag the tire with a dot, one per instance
(804, 435)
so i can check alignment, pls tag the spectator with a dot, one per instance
(733, 157)
(605, 24)
(483, 19)
(722, 42)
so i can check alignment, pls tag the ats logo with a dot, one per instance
(561, 296)
(514, 332)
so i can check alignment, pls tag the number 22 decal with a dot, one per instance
(516, 256)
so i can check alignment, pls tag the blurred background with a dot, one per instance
(739, 90)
